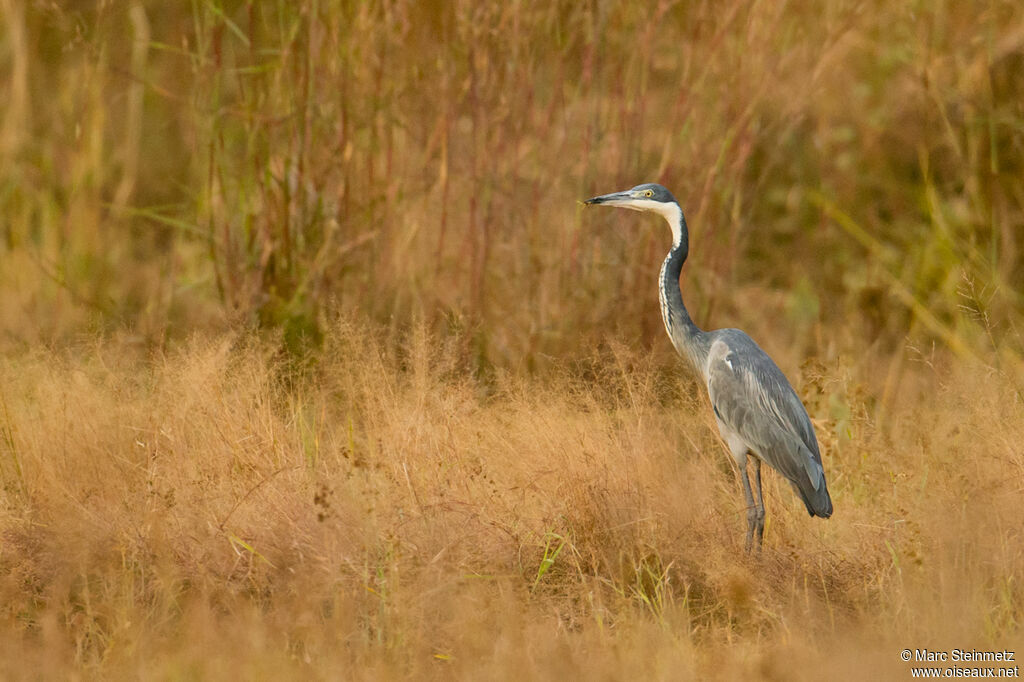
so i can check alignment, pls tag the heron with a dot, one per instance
(757, 411)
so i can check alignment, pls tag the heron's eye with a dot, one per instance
(648, 193)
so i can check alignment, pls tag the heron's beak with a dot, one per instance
(613, 199)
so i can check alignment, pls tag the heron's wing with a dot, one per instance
(751, 396)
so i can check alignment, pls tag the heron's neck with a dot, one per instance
(689, 340)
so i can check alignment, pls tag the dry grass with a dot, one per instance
(213, 164)
(211, 512)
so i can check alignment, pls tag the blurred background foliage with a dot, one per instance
(851, 171)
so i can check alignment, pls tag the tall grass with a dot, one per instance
(169, 166)
(203, 511)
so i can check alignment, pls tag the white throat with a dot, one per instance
(674, 216)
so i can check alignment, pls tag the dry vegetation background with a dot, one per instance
(313, 367)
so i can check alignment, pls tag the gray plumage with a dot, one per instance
(755, 407)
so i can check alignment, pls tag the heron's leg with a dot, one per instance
(760, 502)
(751, 507)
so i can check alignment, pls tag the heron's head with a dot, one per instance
(647, 197)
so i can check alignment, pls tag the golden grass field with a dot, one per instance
(313, 367)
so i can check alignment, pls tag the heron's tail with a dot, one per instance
(817, 501)
(812, 488)
(820, 505)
